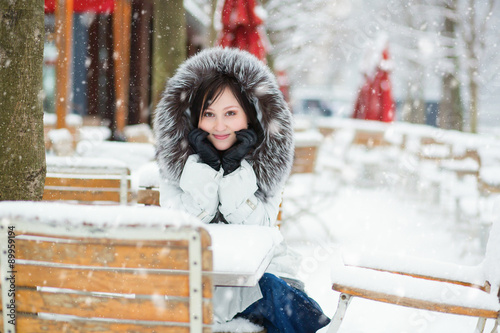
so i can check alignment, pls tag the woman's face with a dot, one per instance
(221, 119)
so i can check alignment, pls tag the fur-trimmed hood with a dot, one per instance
(272, 159)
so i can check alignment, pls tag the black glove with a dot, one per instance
(204, 148)
(231, 159)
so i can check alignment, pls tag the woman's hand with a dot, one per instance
(231, 159)
(207, 152)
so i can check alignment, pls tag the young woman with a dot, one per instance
(225, 148)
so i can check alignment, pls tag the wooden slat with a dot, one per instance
(33, 324)
(148, 197)
(110, 255)
(123, 282)
(82, 182)
(370, 139)
(414, 303)
(156, 309)
(206, 240)
(487, 189)
(82, 195)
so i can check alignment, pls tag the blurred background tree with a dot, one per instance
(169, 43)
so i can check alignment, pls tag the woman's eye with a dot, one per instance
(208, 114)
(230, 113)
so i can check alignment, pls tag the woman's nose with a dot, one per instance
(220, 124)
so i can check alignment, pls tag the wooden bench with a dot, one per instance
(423, 284)
(463, 164)
(87, 180)
(305, 194)
(485, 185)
(432, 149)
(117, 269)
(370, 138)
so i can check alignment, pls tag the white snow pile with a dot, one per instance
(78, 162)
(71, 119)
(490, 175)
(149, 175)
(94, 133)
(306, 138)
(237, 325)
(133, 154)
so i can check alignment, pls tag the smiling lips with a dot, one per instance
(221, 136)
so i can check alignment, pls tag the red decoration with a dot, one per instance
(242, 27)
(375, 101)
(82, 6)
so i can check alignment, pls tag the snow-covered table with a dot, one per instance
(241, 253)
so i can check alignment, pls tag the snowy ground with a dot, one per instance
(374, 218)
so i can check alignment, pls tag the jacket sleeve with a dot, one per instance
(196, 192)
(238, 202)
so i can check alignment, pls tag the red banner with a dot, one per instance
(82, 6)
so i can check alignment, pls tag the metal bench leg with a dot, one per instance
(495, 328)
(481, 323)
(344, 301)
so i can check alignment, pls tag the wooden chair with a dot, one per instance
(459, 185)
(489, 192)
(305, 194)
(432, 149)
(424, 284)
(463, 164)
(115, 269)
(87, 180)
(305, 156)
(148, 193)
(371, 155)
(370, 138)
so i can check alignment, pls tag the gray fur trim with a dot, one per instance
(272, 160)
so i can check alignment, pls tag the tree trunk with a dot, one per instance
(212, 31)
(22, 150)
(169, 43)
(473, 103)
(414, 105)
(450, 106)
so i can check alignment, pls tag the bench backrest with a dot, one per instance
(83, 277)
(85, 180)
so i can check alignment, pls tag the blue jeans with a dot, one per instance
(284, 309)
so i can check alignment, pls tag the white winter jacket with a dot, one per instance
(200, 192)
